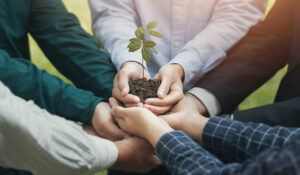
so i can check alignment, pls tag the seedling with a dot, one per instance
(144, 88)
(147, 46)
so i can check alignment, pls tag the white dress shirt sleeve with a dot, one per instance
(114, 23)
(31, 139)
(208, 99)
(230, 22)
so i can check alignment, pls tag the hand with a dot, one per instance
(140, 122)
(129, 71)
(186, 116)
(105, 125)
(135, 155)
(170, 91)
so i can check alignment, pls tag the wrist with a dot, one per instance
(120, 158)
(199, 105)
(178, 69)
(154, 133)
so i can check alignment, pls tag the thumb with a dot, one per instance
(123, 84)
(164, 87)
(118, 112)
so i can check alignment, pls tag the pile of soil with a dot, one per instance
(144, 88)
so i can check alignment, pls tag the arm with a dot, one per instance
(195, 160)
(109, 16)
(253, 60)
(230, 22)
(48, 92)
(70, 48)
(285, 113)
(273, 150)
(47, 143)
(237, 141)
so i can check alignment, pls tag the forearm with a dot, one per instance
(254, 60)
(72, 50)
(49, 92)
(183, 156)
(108, 18)
(273, 114)
(227, 26)
(53, 144)
(236, 141)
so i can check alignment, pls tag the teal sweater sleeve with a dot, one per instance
(73, 51)
(49, 92)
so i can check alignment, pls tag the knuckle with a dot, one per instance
(122, 72)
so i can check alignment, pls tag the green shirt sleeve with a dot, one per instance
(73, 51)
(49, 92)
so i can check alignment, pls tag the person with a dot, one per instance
(243, 148)
(72, 51)
(267, 48)
(32, 139)
(197, 35)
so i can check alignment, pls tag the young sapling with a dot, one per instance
(144, 88)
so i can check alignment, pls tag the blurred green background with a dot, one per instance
(264, 95)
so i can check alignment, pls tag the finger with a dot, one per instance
(164, 88)
(158, 110)
(130, 105)
(169, 100)
(113, 102)
(127, 99)
(123, 82)
(118, 112)
(156, 161)
(106, 136)
(114, 131)
(175, 95)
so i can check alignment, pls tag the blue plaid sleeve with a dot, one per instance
(182, 156)
(234, 141)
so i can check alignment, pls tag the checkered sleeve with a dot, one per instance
(182, 156)
(236, 141)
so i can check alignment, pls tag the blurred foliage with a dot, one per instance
(264, 95)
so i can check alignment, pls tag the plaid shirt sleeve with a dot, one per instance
(272, 151)
(234, 141)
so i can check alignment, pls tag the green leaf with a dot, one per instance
(146, 54)
(135, 40)
(153, 50)
(134, 45)
(156, 34)
(149, 44)
(141, 29)
(151, 25)
(139, 35)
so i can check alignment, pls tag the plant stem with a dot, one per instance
(143, 68)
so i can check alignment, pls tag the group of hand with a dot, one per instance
(130, 127)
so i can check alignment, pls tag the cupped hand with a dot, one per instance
(170, 91)
(140, 122)
(135, 155)
(104, 124)
(186, 116)
(129, 71)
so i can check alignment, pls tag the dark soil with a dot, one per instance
(144, 88)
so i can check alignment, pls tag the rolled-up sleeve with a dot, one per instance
(31, 139)
(231, 20)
